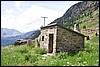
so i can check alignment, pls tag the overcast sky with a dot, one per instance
(25, 16)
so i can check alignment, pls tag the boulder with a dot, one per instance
(20, 42)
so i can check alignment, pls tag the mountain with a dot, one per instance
(85, 13)
(10, 40)
(9, 32)
(34, 35)
(75, 12)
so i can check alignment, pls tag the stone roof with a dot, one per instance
(55, 24)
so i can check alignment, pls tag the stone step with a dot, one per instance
(48, 54)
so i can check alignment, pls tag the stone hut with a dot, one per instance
(56, 38)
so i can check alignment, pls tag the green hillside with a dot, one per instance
(88, 23)
(29, 56)
(88, 19)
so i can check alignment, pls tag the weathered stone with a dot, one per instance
(63, 39)
(20, 42)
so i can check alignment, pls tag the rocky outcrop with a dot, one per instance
(23, 42)
(20, 42)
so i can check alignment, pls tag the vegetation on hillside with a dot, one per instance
(25, 55)
(76, 10)
(87, 20)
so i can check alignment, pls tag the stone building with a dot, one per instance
(56, 38)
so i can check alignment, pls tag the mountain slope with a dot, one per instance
(76, 10)
(9, 32)
(85, 13)
(34, 35)
(10, 40)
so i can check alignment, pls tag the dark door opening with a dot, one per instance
(50, 48)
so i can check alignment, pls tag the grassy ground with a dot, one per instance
(29, 56)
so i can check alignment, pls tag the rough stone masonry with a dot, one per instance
(56, 38)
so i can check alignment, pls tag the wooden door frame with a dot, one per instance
(50, 46)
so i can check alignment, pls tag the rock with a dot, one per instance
(20, 42)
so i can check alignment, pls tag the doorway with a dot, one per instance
(50, 46)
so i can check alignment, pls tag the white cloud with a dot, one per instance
(18, 4)
(30, 19)
(9, 11)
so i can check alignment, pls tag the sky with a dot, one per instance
(25, 16)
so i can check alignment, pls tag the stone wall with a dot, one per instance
(45, 32)
(63, 40)
(68, 41)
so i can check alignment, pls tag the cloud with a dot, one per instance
(9, 11)
(27, 17)
(18, 4)
(30, 19)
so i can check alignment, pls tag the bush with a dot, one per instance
(31, 58)
(80, 53)
(24, 51)
(32, 45)
(84, 27)
(39, 50)
(27, 57)
(62, 55)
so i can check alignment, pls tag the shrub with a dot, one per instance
(80, 54)
(27, 57)
(62, 55)
(39, 50)
(84, 27)
(22, 50)
(31, 58)
(32, 45)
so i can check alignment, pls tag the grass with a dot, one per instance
(27, 56)
(90, 22)
(17, 55)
